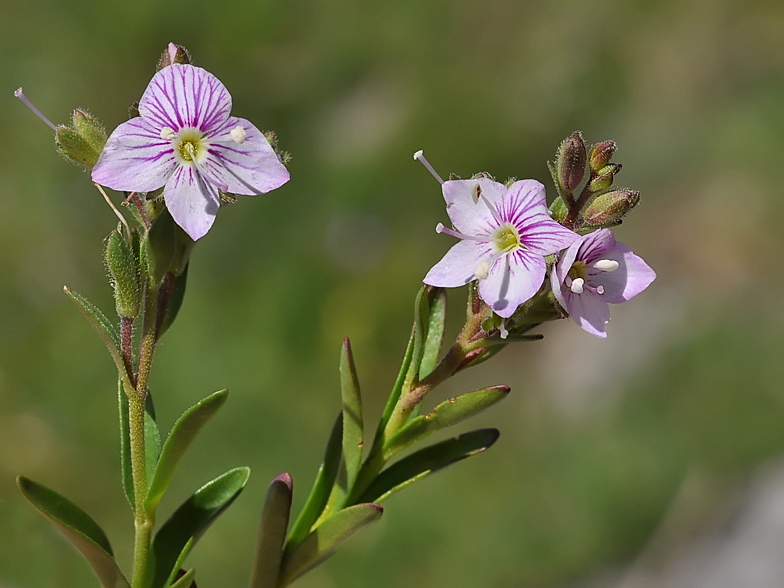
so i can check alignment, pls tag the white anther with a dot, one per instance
(600, 289)
(482, 270)
(440, 228)
(606, 265)
(477, 192)
(577, 285)
(167, 133)
(503, 330)
(420, 157)
(238, 134)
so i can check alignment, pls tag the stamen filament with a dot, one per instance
(440, 228)
(492, 208)
(19, 94)
(420, 157)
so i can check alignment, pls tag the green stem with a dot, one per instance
(143, 519)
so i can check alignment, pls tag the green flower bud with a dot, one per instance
(124, 271)
(159, 247)
(601, 154)
(90, 129)
(174, 54)
(558, 210)
(608, 209)
(570, 162)
(604, 177)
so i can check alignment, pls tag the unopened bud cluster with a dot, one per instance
(83, 141)
(597, 204)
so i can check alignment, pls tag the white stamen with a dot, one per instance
(606, 265)
(502, 328)
(600, 289)
(238, 134)
(167, 133)
(440, 228)
(19, 94)
(420, 157)
(577, 285)
(492, 208)
(482, 270)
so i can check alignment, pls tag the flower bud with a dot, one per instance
(159, 246)
(604, 177)
(174, 54)
(124, 272)
(558, 210)
(570, 162)
(601, 154)
(82, 142)
(608, 209)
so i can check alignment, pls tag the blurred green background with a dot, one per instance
(597, 436)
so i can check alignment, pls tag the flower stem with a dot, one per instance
(144, 519)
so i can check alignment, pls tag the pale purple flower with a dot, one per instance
(505, 234)
(186, 141)
(596, 270)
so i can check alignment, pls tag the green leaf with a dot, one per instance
(192, 519)
(185, 580)
(101, 324)
(319, 494)
(394, 396)
(152, 440)
(426, 461)
(326, 538)
(177, 567)
(79, 527)
(435, 331)
(444, 415)
(272, 533)
(175, 301)
(179, 440)
(353, 431)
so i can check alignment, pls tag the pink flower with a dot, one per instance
(186, 141)
(505, 235)
(596, 270)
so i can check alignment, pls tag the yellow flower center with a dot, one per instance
(507, 238)
(190, 146)
(578, 270)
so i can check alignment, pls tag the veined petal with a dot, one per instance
(135, 158)
(590, 311)
(191, 201)
(524, 200)
(632, 276)
(185, 96)
(251, 167)
(542, 235)
(513, 279)
(595, 246)
(458, 266)
(469, 214)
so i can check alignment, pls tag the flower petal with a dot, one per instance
(185, 96)
(135, 158)
(191, 201)
(513, 279)
(251, 167)
(590, 311)
(632, 276)
(523, 199)
(470, 215)
(458, 266)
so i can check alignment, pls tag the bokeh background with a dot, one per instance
(614, 454)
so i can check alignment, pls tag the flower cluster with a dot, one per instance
(508, 238)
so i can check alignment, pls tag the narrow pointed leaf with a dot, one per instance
(435, 332)
(394, 396)
(152, 440)
(353, 431)
(179, 440)
(319, 494)
(192, 519)
(175, 301)
(326, 538)
(272, 533)
(426, 461)
(101, 324)
(177, 567)
(79, 528)
(444, 415)
(185, 580)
